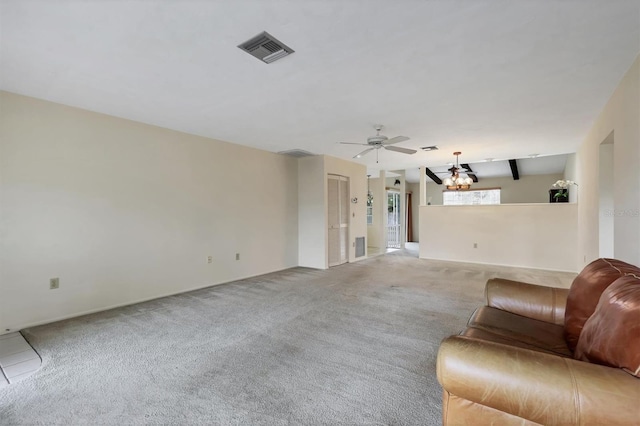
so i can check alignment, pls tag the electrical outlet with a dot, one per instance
(209, 259)
(237, 256)
(54, 283)
(475, 245)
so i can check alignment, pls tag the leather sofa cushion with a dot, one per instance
(585, 293)
(541, 388)
(543, 336)
(612, 335)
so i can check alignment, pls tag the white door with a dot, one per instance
(338, 204)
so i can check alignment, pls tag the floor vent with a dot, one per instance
(297, 153)
(266, 47)
(359, 246)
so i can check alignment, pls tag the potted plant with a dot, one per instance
(562, 195)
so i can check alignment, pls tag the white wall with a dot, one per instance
(122, 211)
(606, 191)
(312, 207)
(621, 115)
(414, 188)
(312, 216)
(375, 230)
(357, 174)
(528, 189)
(526, 235)
(570, 174)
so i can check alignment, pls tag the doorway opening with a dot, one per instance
(394, 239)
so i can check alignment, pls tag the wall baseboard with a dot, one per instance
(20, 327)
(503, 265)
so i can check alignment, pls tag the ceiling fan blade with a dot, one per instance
(363, 153)
(353, 143)
(395, 140)
(398, 149)
(451, 170)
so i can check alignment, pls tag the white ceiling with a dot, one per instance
(500, 167)
(501, 79)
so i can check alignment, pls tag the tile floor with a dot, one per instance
(17, 359)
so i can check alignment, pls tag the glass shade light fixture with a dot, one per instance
(455, 182)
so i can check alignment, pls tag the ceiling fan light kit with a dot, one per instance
(456, 182)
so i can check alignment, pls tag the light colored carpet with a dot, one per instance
(355, 344)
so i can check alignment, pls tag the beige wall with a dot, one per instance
(528, 189)
(570, 174)
(122, 211)
(375, 230)
(414, 188)
(621, 115)
(357, 174)
(312, 233)
(526, 235)
(312, 207)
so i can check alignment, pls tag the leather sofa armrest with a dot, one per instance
(529, 300)
(539, 387)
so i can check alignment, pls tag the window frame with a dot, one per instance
(473, 190)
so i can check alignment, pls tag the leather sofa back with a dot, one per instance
(585, 293)
(612, 335)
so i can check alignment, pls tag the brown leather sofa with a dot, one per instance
(550, 356)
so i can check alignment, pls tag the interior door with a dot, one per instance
(338, 206)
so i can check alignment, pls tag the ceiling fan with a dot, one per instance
(381, 141)
(457, 182)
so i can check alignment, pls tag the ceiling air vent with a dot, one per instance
(297, 153)
(429, 148)
(266, 47)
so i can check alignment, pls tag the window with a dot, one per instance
(473, 197)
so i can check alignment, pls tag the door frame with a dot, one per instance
(395, 193)
(347, 225)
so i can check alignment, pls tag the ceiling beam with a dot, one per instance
(514, 169)
(469, 172)
(433, 176)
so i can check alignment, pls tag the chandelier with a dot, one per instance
(457, 182)
(369, 194)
